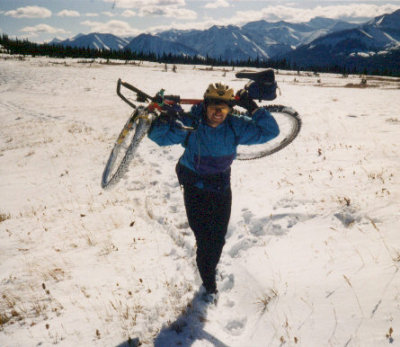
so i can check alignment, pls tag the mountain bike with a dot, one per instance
(139, 123)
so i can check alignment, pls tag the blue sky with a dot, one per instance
(43, 20)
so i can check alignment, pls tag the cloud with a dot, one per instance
(145, 3)
(295, 14)
(29, 12)
(217, 4)
(354, 12)
(108, 14)
(68, 13)
(128, 13)
(42, 29)
(200, 25)
(171, 12)
(116, 27)
(155, 8)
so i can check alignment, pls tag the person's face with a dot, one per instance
(216, 114)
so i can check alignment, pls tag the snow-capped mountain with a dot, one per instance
(260, 39)
(379, 34)
(254, 40)
(293, 34)
(321, 41)
(226, 42)
(146, 43)
(96, 41)
(387, 21)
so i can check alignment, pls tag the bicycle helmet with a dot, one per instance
(219, 92)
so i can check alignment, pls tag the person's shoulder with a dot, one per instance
(239, 118)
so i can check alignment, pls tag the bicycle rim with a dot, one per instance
(125, 147)
(289, 126)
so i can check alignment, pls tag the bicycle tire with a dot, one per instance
(125, 147)
(289, 123)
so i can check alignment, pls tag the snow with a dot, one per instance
(245, 38)
(365, 33)
(259, 49)
(382, 52)
(102, 44)
(391, 38)
(313, 249)
(364, 55)
(379, 21)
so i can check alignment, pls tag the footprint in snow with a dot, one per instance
(247, 215)
(173, 209)
(274, 224)
(255, 226)
(182, 225)
(286, 203)
(135, 185)
(154, 165)
(348, 217)
(236, 326)
(241, 245)
(227, 282)
(172, 183)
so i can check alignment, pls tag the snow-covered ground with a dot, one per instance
(313, 249)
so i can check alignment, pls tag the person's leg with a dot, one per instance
(208, 215)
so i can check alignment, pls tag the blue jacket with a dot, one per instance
(209, 152)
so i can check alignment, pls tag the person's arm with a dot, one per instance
(260, 128)
(166, 133)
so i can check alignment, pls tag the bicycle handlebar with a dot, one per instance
(143, 97)
(166, 99)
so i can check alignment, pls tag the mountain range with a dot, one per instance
(319, 42)
(378, 37)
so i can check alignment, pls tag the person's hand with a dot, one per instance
(171, 112)
(244, 100)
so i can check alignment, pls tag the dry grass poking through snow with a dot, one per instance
(4, 217)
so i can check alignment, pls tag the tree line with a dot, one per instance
(25, 47)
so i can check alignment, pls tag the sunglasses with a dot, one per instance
(219, 108)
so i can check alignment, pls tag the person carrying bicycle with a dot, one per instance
(204, 169)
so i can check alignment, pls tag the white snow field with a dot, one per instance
(312, 254)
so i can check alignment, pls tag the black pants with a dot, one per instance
(208, 214)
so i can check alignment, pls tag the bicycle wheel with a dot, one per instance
(125, 147)
(289, 125)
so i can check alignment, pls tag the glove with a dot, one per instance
(244, 100)
(170, 112)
